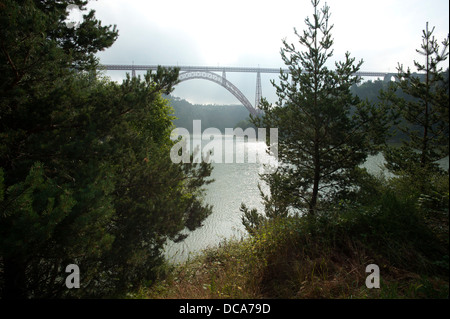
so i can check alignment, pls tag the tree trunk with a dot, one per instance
(315, 193)
(423, 160)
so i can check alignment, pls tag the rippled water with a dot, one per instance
(236, 183)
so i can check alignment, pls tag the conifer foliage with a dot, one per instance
(423, 107)
(324, 132)
(85, 172)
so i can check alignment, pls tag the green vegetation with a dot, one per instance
(217, 116)
(308, 246)
(325, 256)
(86, 177)
(425, 114)
(324, 131)
(85, 172)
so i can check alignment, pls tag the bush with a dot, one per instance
(291, 253)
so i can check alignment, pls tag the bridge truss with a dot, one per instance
(221, 80)
(207, 73)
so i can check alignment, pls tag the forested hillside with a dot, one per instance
(218, 116)
(230, 116)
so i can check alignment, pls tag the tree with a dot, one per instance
(324, 132)
(424, 113)
(39, 120)
(154, 199)
(85, 171)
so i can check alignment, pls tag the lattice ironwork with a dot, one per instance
(216, 78)
(258, 94)
(206, 73)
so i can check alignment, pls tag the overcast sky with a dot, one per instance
(249, 33)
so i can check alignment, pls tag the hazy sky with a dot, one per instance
(249, 33)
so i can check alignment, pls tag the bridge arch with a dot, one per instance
(216, 78)
(390, 77)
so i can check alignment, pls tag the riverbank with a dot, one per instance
(225, 221)
(325, 257)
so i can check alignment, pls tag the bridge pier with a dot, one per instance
(258, 90)
(206, 73)
(390, 77)
(133, 71)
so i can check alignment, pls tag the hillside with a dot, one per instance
(218, 116)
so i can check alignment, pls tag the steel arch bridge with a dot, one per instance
(207, 73)
(222, 81)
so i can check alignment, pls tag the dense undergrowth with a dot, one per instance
(404, 232)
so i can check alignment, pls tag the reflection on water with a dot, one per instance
(237, 183)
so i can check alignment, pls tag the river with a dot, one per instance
(235, 183)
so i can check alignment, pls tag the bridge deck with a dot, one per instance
(125, 67)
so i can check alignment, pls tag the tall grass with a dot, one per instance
(326, 256)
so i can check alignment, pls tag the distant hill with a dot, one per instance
(230, 116)
(218, 116)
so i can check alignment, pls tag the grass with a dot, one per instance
(325, 256)
(220, 272)
(228, 272)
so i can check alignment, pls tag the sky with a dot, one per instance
(249, 33)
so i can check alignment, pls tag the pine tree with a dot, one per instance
(85, 172)
(424, 111)
(51, 198)
(324, 132)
